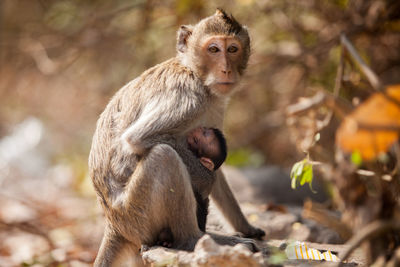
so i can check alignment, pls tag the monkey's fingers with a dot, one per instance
(251, 245)
(256, 233)
(167, 244)
(239, 234)
(144, 248)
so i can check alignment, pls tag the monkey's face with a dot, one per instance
(221, 56)
(203, 142)
(217, 49)
(205, 145)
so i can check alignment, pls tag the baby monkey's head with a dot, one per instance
(209, 145)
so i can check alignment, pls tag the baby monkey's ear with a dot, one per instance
(207, 163)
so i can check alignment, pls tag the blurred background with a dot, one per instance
(61, 61)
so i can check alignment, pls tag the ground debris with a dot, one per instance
(206, 253)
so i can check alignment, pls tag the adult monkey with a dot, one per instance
(143, 186)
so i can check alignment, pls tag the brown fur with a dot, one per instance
(145, 187)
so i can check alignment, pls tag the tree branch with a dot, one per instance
(369, 231)
(365, 69)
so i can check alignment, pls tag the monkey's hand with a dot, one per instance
(254, 232)
(141, 148)
(135, 147)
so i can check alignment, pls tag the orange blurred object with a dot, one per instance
(372, 127)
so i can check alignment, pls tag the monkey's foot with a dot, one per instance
(144, 248)
(165, 244)
(254, 232)
(165, 238)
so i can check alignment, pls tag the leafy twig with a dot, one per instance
(339, 74)
(319, 99)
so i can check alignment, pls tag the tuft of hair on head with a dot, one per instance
(222, 23)
(223, 149)
(235, 26)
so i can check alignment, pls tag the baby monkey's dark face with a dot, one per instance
(204, 144)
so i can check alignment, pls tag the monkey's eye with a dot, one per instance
(213, 49)
(232, 49)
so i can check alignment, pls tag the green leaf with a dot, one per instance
(356, 158)
(299, 170)
(296, 167)
(294, 182)
(306, 175)
(302, 173)
(277, 257)
(296, 172)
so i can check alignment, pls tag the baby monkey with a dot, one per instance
(209, 146)
(204, 149)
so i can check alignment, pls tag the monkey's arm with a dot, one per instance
(165, 114)
(226, 202)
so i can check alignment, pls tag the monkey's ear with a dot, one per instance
(207, 163)
(183, 35)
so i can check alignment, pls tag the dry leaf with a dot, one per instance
(372, 127)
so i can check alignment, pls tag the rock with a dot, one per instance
(207, 253)
(161, 256)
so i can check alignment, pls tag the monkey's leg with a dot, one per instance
(170, 200)
(201, 211)
(111, 248)
(227, 204)
(158, 195)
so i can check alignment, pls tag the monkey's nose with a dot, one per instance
(226, 72)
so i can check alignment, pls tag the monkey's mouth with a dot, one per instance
(226, 83)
